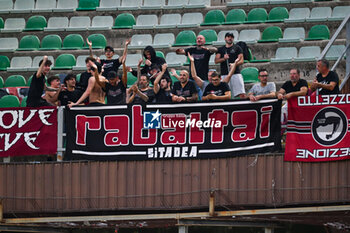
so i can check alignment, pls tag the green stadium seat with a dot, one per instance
(4, 62)
(98, 41)
(88, 5)
(278, 14)
(131, 79)
(29, 81)
(2, 23)
(236, 16)
(78, 77)
(1, 82)
(160, 54)
(250, 74)
(319, 32)
(73, 41)
(35, 23)
(51, 42)
(257, 15)
(125, 20)
(185, 38)
(15, 81)
(9, 101)
(64, 62)
(29, 43)
(24, 102)
(271, 34)
(209, 35)
(214, 17)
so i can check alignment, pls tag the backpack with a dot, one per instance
(245, 49)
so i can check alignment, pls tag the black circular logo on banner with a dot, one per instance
(329, 126)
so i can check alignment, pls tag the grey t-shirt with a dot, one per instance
(257, 89)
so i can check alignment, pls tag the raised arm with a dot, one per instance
(232, 70)
(123, 57)
(180, 51)
(156, 86)
(96, 76)
(197, 79)
(86, 94)
(173, 73)
(139, 70)
(90, 47)
(41, 68)
(125, 75)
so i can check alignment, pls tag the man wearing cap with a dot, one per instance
(110, 64)
(226, 55)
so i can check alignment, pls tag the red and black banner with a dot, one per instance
(173, 131)
(318, 128)
(28, 131)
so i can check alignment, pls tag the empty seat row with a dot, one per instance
(27, 6)
(306, 53)
(263, 2)
(277, 14)
(51, 42)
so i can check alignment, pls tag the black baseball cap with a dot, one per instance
(229, 34)
(109, 48)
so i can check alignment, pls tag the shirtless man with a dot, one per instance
(94, 91)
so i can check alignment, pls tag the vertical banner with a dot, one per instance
(173, 131)
(318, 128)
(28, 131)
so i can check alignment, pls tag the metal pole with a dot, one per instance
(1, 211)
(348, 49)
(212, 204)
(60, 133)
(183, 229)
(269, 230)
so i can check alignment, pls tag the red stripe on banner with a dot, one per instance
(28, 131)
(327, 137)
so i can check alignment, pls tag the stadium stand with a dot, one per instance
(190, 20)
(57, 24)
(6, 6)
(250, 75)
(64, 62)
(14, 25)
(152, 4)
(163, 40)
(236, 16)
(140, 41)
(319, 32)
(257, 15)
(73, 41)
(44, 6)
(29, 43)
(88, 5)
(175, 4)
(130, 5)
(286, 54)
(4, 62)
(185, 38)
(23, 6)
(8, 44)
(293, 35)
(15, 81)
(125, 20)
(169, 21)
(66, 6)
(108, 5)
(101, 23)
(308, 53)
(271, 34)
(35, 23)
(9, 101)
(214, 17)
(98, 41)
(51, 42)
(79, 23)
(20, 64)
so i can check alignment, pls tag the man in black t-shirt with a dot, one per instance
(85, 76)
(70, 94)
(140, 92)
(110, 64)
(201, 56)
(116, 88)
(161, 87)
(216, 90)
(184, 90)
(293, 87)
(326, 81)
(226, 55)
(37, 85)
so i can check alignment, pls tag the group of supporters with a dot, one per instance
(102, 79)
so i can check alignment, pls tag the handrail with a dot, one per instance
(344, 81)
(340, 57)
(334, 37)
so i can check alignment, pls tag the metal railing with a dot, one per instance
(346, 51)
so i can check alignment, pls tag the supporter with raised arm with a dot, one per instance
(264, 89)
(227, 55)
(161, 87)
(109, 64)
(215, 90)
(53, 91)
(94, 90)
(153, 63)
(326, 81)
(37, 85)
(70, 93)
(140, 92)
(201, 56)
